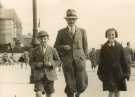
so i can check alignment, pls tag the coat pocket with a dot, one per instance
(80, 64)
(82, 81)
(118, 72)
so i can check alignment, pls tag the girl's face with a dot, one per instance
(111, 35)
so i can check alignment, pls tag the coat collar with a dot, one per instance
(70, 34)
(114, 44)
(72, 28)
(39, 49)
(112, 50)
(111, 44)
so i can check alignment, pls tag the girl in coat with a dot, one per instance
(113, 69)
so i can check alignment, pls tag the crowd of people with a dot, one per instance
(12, 58)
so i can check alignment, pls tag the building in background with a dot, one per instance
(10, 26)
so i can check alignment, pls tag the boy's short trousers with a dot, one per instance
(44, 85)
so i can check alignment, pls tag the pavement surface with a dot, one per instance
(14, 82)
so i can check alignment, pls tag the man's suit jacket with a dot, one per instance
(38, 60)
(78, 44)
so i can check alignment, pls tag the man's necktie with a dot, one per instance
(72, 30)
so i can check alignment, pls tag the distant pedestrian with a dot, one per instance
(113, 69)
(128, 55)
(24, 59)
(93, 58)
(6, 60)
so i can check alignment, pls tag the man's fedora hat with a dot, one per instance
(71, 13)
(42, 34)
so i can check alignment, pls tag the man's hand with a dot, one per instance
(48, 66)
(127, 78)
(67, 47)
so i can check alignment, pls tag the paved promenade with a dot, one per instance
(14, 82)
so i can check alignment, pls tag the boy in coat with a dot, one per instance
(43, 61)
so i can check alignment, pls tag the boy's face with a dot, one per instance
(44, 40)
(111, 35)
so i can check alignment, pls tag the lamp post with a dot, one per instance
(35, 28)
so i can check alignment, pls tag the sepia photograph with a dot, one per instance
(67, 48)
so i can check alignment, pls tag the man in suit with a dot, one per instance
(71, 43)
(43, 61)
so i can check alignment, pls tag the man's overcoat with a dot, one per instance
(73, 59)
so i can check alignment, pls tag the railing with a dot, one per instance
(15, 81)
(15, 73)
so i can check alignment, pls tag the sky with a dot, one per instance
(95, 16)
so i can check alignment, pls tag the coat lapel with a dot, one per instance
(68, 33)
(39, 51)
(112, 51)
(71, 35)
(51, 74)
(47, 54)
(108, 51)
(77, 34)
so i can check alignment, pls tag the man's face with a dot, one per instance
(71, 21)
(44, 40)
